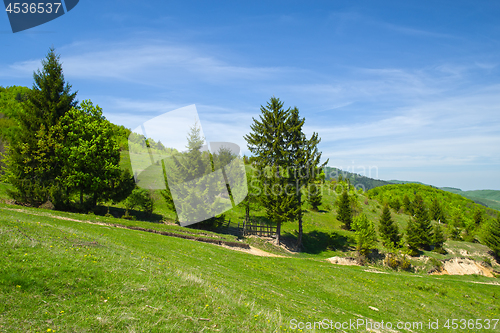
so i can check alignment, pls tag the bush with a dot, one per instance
(140, 198)
(396, 260)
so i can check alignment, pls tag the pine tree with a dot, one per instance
(422, 222)
(31, 162)
(492, 236)
(303, 164)
(190, 174)
(412, 237)
(438, 239)
(314, 196)
(366, 236)
(388, 229)
(407, 205)
(267, 141)
(436, 211)
(344, 211)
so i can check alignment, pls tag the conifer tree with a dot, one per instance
(436, 211)
(422, 222)
(492, 236)
(438, 239)
(268, 142)
(290, 160)
(407, 205)
(31, 164)
(412, 237)
(303, 165)
(344, 211)
(366, 236)
(190, 172)
(388, 229)
(314, 196)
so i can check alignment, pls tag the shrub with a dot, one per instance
(140, 198)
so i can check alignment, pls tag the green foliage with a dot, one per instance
(407, 205)
(366, 237)
(412, 237)
(141, 198)
(436, 211)
(189, 171)
(88, 153)
(423, 223)
(492, 236)
(31, 161)
(463, 218)
(438, 239)
(286, 160)
(395, 204)
(314, 196)
(344, 210)
(388, 229)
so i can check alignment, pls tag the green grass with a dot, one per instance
(68, 276)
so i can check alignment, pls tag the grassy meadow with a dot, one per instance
(67, 276)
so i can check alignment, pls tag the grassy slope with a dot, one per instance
(68, 276)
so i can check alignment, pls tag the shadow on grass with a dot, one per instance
(315, 242)
(120, 212)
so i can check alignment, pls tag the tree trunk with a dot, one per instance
(247, 211)
(299, 239)
(81, 197)
(278, 233)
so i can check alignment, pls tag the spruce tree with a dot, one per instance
(407, 205)
(286, 161)
(412, 237)
(268, 142)
(344, 211)
(366, 237)
(303, 164)
(422, 222)
(438, 239)
(388, 229)
(436, 211)
(492, 236)
(31, 162)
(314, 196)
(191, 175)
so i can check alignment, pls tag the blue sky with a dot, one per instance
(407, 89)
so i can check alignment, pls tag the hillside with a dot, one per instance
(357, 180)
(488, 198)
(62, 275)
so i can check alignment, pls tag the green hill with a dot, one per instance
(489, 198)
(458, 210)
(59, 274)
(357, 180)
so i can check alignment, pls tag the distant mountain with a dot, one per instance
(405, 182)
(356, 179)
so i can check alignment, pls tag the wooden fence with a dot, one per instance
(257, 229)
